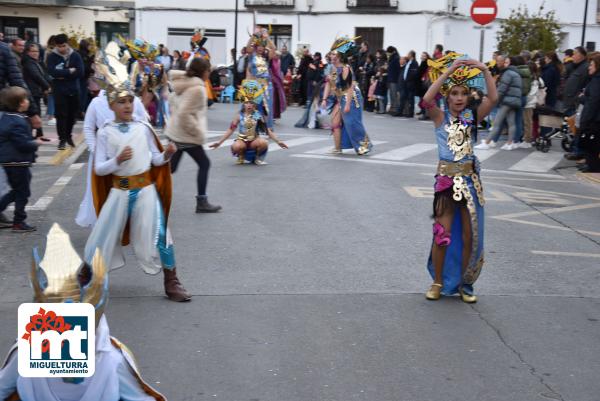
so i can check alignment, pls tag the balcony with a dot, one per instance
(269, 3)
(366, 4)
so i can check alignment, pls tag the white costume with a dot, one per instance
(149, 236)
(99, 113)
(116, 377)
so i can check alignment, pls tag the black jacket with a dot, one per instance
(393, 68)
(35, 76)
(575, 84)
(551, 78)
(64, 81)
(10, 74)
(17, 146)
(590, 116)
(412, 76)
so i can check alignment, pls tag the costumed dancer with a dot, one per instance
(260, 50)
(248, 145)
(131, 184)
(61, 276)
(199, 51)
(456, 256)
(279, 102)
(147, 77)
(346, 108)
(98, 114)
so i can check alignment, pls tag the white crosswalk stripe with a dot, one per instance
(405, 152)
(296, 142)
(484, 154)
(325, 150)
(538, 162)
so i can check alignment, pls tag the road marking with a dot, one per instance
(484, 154)
(549, 211)
(296, 142)
(325, 150)
(56, 188)
(538, 162)
(63, 155)
(554, 227)
(322, 154)
(405, 152)
(556, 253)
(546, 192)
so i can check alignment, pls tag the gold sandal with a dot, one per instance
(434, 293)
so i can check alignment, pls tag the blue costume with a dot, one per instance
(259, 69)
(457, 183)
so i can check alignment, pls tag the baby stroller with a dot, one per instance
(563, 128)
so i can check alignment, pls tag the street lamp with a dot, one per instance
(235, 34)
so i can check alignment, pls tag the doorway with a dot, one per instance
(108, 31)
(372, 35)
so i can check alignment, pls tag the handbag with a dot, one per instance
(541, 93)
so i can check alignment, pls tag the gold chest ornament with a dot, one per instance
(261, 65)
(250, 125)
(459, 139)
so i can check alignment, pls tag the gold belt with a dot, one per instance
(454, 169)
(132, 181)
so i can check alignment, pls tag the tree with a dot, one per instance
(525, 31)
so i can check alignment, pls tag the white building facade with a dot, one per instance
(44, 18)
(406, 24)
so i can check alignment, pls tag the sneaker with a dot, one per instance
(259, 162)
(52, 122)
(334, 151)
(482, 146)
(507, 146)
(62, 145)
(5, 222)
(493, 144)
(22, 228)
(525, 145)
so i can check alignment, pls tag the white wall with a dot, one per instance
(50, 25)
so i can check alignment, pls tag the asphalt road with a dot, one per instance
(309, 284)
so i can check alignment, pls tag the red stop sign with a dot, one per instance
(484, 11)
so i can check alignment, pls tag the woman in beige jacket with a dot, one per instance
(188, 124)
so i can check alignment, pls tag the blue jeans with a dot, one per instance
(519, 120)
(508, 114)
(51, 110)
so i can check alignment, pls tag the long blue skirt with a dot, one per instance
(354, 134)
(453, 275)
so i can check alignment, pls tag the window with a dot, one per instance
(269, 3)
(374, 36)
(372, 3)
(15, 27)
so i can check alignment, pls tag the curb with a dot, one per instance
(61, 155)
(594, 178)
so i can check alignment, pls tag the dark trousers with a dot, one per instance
(19, 179)
(407, 95)
(38, 102)
(67, 109)
(197, 153)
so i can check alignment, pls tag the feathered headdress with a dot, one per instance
(464, 76)
(139, 48)
(258, 40)
(251, 91)
(56, 276)
(345, 45)
(198, 40)
(111, 74)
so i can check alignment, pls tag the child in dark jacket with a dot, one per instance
(17, 153)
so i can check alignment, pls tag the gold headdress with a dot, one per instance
(258, 40)
(464, 76)
(56, 277)
(345, 44)
(111, 74)
(139, 48)
(251, 91)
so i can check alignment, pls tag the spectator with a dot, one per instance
(86, 51)
(532, 98)
(30, 39)
(525, 73)
(576, 80)
(526, 54)
(590, 118)
(50, 110)
(438, 52)
(315, 74)
(424, 82)
(36, 80)
(10, 75)
(409, 81)
(18, 47)
(241, 67)
(360, 60)
(165, 59)
(393, 74)
(552, 69)
(179, 62)
(66, 68)
(368, 79)
(287, 60)
(303, 76)
(17, 153)
(509, 101)
(568, 62)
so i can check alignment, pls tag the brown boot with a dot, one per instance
(173, 288)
